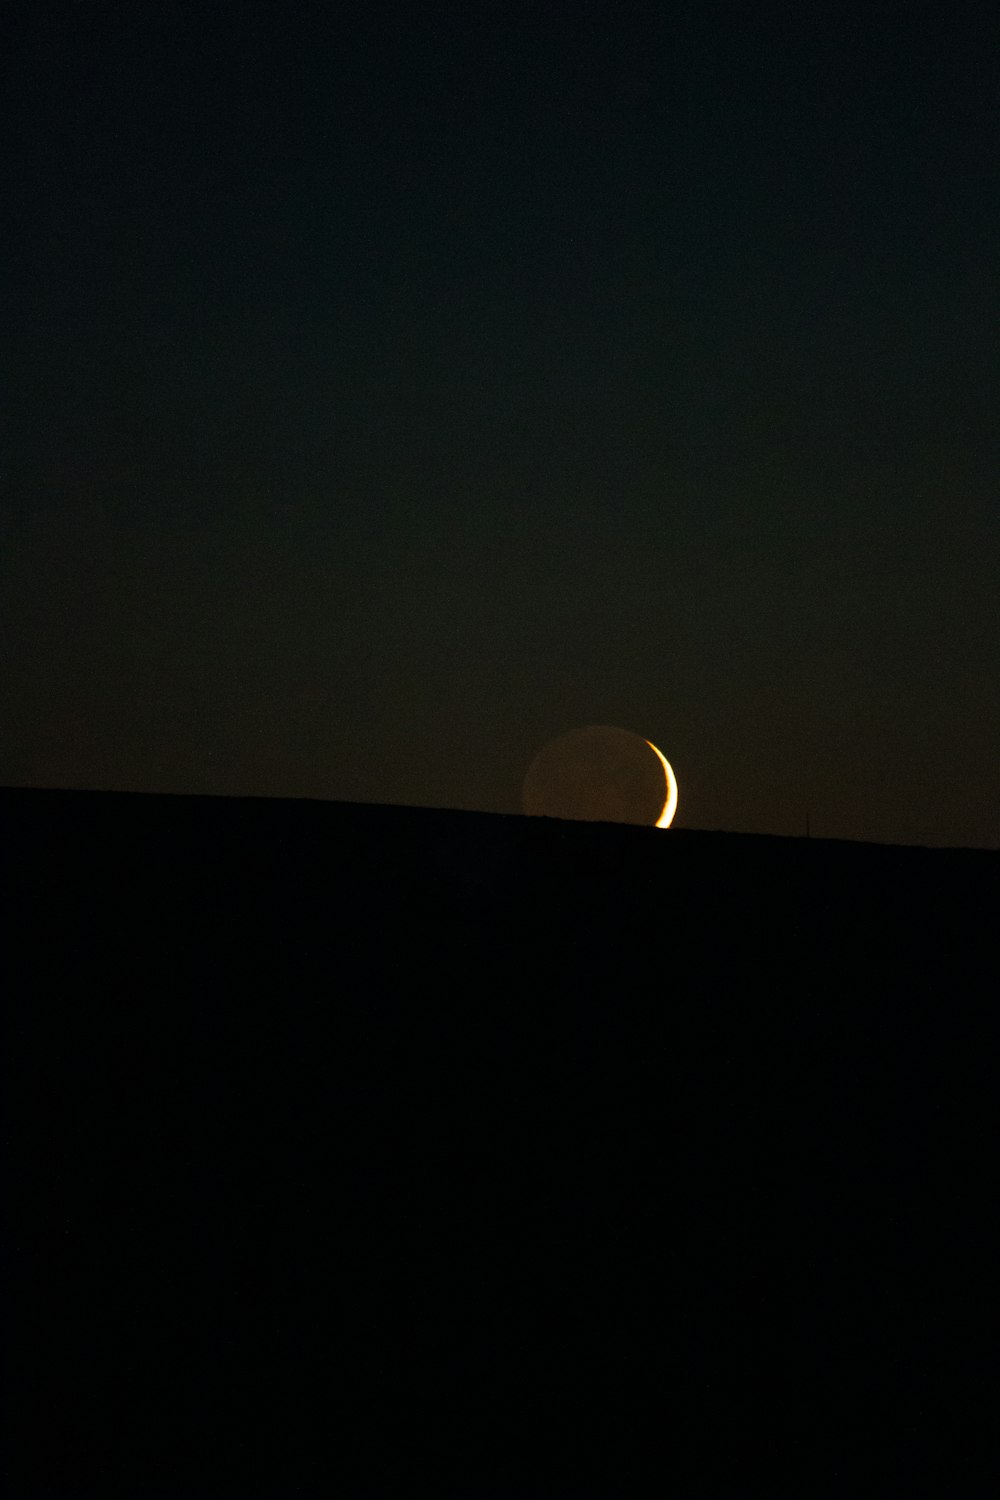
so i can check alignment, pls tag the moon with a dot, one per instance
(670, 802)
(602, 775)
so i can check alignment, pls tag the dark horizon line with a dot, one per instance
(807, 836)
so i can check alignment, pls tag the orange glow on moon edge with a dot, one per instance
(670, 804)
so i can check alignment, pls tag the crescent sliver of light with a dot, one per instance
(670, 804)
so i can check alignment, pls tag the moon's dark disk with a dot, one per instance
(600, 775)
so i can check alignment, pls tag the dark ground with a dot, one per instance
(367, 1151)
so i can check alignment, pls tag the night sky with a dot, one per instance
(386, 393)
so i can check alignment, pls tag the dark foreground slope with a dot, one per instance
(367, 1151)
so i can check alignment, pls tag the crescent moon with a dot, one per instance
(670, 804)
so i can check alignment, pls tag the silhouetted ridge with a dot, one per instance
(389, 1151)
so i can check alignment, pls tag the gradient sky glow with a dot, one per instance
(385, 394)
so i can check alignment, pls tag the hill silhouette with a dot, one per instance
(380, 1151)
